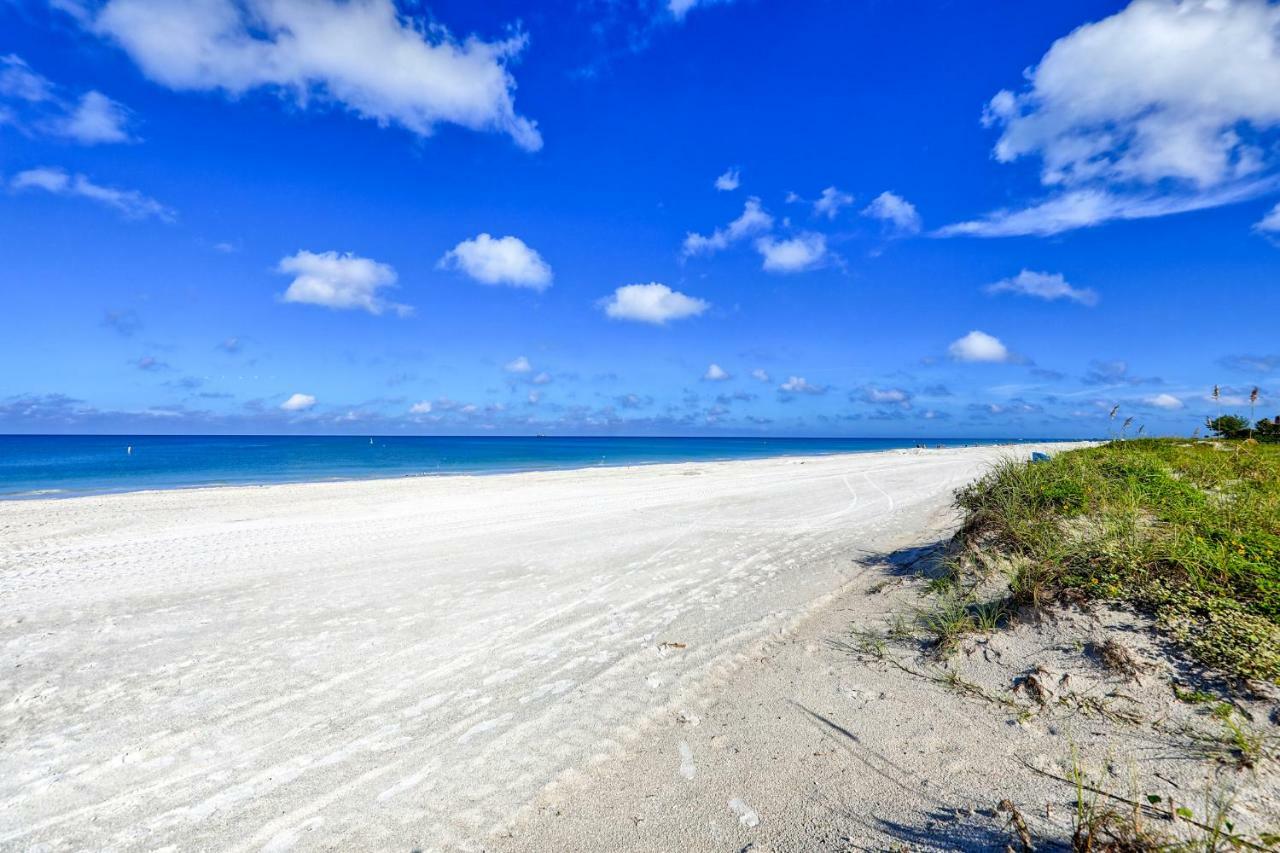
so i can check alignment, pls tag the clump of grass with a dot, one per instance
(1190, 530)
(870, 643)
(1237, 744)
(946, 622)
(989, 615)
(900, 629)
(955, 615)
(1247, 747)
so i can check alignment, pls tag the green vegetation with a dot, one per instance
(1227, 426)
(956, 616)
(1237, 426)
(1104, 821)
(1188, 530)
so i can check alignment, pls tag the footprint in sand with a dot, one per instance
(687, 770)
(746, 815)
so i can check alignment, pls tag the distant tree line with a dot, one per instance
(1237, 426)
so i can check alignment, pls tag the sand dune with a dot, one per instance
(399, 663)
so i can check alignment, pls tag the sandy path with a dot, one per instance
(396, 664)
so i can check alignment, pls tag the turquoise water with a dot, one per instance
(43, 465)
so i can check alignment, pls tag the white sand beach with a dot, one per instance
(413, 663)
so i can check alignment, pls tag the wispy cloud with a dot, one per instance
(95, 119)
(1043, 285)
(633, 401)
(899, 213)
(1269, 224)
(1251, 363)
(800, 385)
(19, 82)
(1007, 408)
(150, 364)
(1089, 207)
(831, 202)
(754, 220)
(125, 323)
(899, 397)
(130, 203)
(38, 106)
(680, 8)
(520, 364)
(1115, 373)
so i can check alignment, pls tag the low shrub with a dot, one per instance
(1190, 530)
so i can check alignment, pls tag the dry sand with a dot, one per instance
(641, 658)
(816, 743)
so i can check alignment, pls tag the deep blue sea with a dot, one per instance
(53, 465)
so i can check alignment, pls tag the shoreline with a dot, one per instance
(409, 661)
(69, 494)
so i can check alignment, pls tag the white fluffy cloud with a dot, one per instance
(729, 181)
(1153, 92)
(652, 303)
(760, 375)
(341, 281)
(831, 202)
(1164, 401)
(1165, 106)
(131, 203)
(797, 254)
(298, 403)
(754, 220)
(979, 347)
(897, 211)
(715, 373)
(367, 56)
(499, 260)
(800, 385)
(519, 364)
(1043, 285)
(422, 407)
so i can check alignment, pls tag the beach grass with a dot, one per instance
(1188, 530)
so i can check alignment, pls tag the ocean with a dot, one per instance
(67, 465)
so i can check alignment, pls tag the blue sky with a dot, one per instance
(600, 216)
